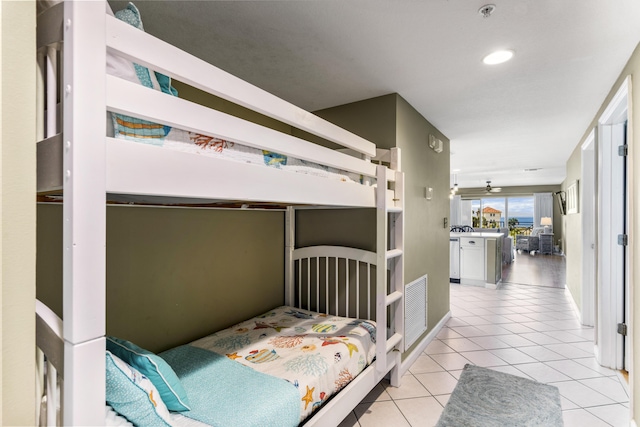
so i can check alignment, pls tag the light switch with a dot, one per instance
(429, 193)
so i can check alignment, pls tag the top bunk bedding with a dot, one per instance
(203, 150)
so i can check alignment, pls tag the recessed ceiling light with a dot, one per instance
(498, 57)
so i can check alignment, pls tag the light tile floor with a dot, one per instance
(530, 331)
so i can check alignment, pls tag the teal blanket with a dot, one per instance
(224, 393)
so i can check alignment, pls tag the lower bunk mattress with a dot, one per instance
(273, 370)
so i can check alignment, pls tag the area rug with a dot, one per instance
(487, 398)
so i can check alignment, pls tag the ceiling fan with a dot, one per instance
(489, 189)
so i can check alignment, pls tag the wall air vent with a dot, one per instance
(415, 310)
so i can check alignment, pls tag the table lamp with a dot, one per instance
(546, 221)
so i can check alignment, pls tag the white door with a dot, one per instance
(612, 229)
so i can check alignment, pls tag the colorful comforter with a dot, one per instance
(319, 354)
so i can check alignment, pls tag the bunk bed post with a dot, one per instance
(84, 211)
(40, 102)
(395, 162)
(366, 180)
(289, 246)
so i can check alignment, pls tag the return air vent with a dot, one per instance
(415, 310)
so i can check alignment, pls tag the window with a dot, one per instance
(488, 212)
(520, 214)
(497, 212)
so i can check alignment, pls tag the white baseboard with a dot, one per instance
(572, 300)
(632, 423)
(408, 361)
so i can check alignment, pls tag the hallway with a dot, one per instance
(525, 330)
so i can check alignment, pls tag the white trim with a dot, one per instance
(413, 356)
(618, 104)
(589, 228)
(572, 301)
(631, 255)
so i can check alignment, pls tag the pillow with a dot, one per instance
(133, 396)
(156, 369)
(131, 127)
(114, 419)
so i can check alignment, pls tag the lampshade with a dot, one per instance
(545, 220)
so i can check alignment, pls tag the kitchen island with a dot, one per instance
(479, 258)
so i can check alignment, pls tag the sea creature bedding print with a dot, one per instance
(319, 354)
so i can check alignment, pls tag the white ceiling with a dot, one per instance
(528, 113)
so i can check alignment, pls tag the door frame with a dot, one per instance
(588, 200)
(610, 309)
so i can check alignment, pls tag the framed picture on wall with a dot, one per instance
(572, 198)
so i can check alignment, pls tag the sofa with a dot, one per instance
(507, 242)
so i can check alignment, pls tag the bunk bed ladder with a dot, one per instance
(390, 280)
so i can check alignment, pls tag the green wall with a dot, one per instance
(336, 227)
(572, 233)
(374, 119)
(390, 121)
(426, 236)
(203, 98)
(17, 212)
(175, 275)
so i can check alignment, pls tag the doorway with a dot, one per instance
(612, 346)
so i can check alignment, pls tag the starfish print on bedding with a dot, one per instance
(308, 398)
(204, 142)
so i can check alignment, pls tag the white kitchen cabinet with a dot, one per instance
(472, 259)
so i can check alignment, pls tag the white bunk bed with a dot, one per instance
(76, 160)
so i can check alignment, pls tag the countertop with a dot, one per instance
(477, 235)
